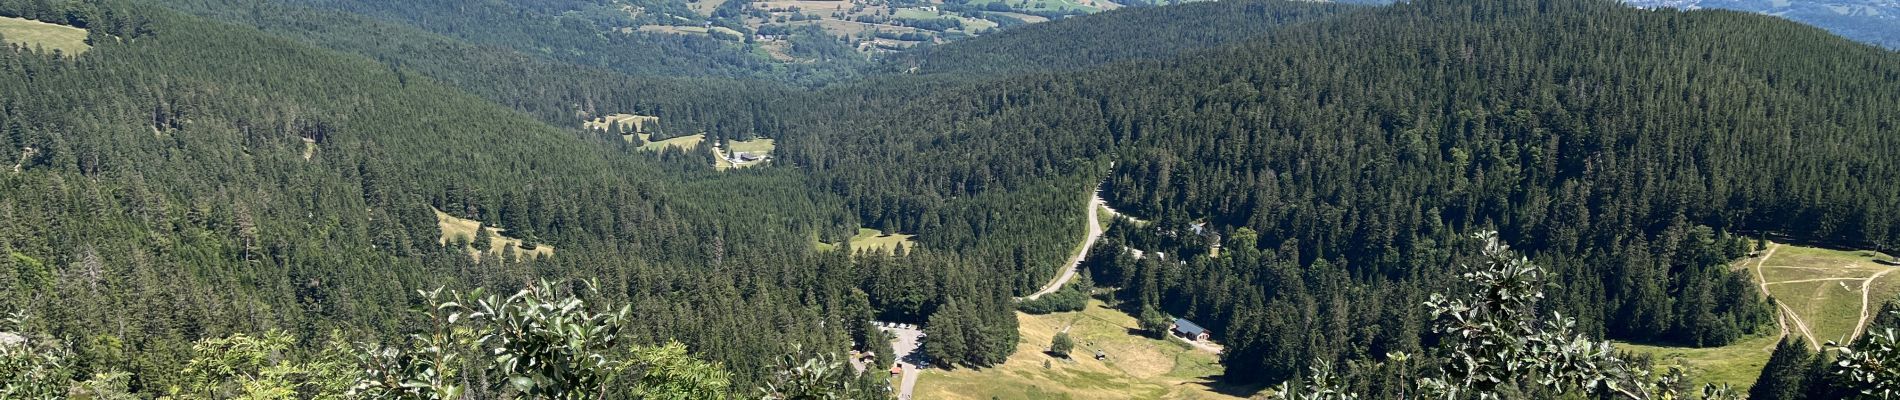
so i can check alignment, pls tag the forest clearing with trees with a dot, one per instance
(168, 231)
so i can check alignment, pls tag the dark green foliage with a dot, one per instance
(1073, 297)
(1062, 344)
(974, 335)
(1552, 122)
(1785, 375)
(167, 170)
(483, 239)
(1121, 35)
(1153, 322)
(569, 32)
(1341, 152)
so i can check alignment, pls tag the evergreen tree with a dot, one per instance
(947, 343)
(483, 239)
(1785, 375)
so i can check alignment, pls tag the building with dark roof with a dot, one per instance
(1190, 331)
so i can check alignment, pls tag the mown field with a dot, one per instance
(1136, 367)
(66, 39)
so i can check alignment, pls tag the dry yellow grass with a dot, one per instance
(456, 228)
(66, 39)
(638, 122)
(683, 142)
(869, 239)
(1137, 367)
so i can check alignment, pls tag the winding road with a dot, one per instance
(1095, 232)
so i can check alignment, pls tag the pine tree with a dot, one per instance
(945, 329)
(483, 239)
(1786, 373)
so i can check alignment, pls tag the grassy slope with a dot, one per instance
(684, 142)
(1830, 310)
(1137, 367)
(32, 33)
(1737, 364)
(455, 228)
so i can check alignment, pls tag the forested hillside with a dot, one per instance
(191, 181)
(562, 94)
(1631, 151)
(246, 167)
(1121, 35)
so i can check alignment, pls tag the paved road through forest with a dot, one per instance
(1095, 232)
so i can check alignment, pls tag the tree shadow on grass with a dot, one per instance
(1214, 383)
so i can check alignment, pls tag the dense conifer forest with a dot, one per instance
(232, 174)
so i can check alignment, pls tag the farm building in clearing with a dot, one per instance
(1190, 331)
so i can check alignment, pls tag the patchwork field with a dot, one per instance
(871, 239)
(1823, 294)
(1136, 367)
(30, 33)
(461, 229)
(1088, 6)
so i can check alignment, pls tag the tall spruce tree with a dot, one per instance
(1785, 375)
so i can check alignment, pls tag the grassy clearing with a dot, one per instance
(871, 239)
(1137, 367)
(761, 146)
(460, 229)
(1824, 286)
(1820, 286)
(66, 39)
(1736, 364)
(637, 122)
(684, 142)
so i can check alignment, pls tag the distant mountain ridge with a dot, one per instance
(1871, 21)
